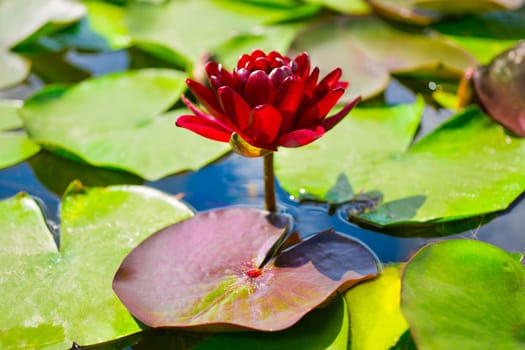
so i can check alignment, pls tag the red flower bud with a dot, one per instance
(266, 102)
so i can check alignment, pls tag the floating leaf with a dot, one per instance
(163, 30)
(371, 149)
(500, 89)
(368, 50)
(375, 314)
(52, 297)
(323, 328)
(205, 272)
(465, 294)
(115, 121)
(14, 145)
(485, 35)
(103, 29)
(354, 7)
(428, 11)
(19, 20)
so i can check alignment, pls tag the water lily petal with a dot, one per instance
(311, 82)
(208, 128)
(287, 100)
(303, 65)
(259, 89)
(234, 107)
(327, 83)
(264, 125)
(331, 121)
(320, 109)
(204, 96)
(300, 137)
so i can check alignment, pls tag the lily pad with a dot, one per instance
(368, 51)
(465, 294)
(485, 35)
(206, 272)
(323, 328)
(371, 151)
(355, 7)
(115, 121)
(102, 29)
(375, 314)
(500, 86)
(428, 11)
(18, 21)
(52, 297)
(164, 30)
(15, 144)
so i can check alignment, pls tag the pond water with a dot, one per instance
(234, 180)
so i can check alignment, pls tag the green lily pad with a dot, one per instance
(15, 145)
(207, 272)
(21, 19)
(428, 11)
(465, 294)
(368, 50)
(115, 121)
(485, 35)
(370, 150)
(172, 31)
(52, 297)
(375, 314)
(323, 328)
(102, 29)
(355, 7)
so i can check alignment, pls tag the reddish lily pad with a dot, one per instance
(428, 11)
(205, 272)
(500, 88)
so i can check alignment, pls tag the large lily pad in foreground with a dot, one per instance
(323, 328)
(465, 294)
(15, 146)
(52, 297)
(116, 121)
(467, 167)
(206, 272)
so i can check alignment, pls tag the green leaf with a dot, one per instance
(486, 35)
(15, 145)
(464, 294)
(369, 149)
(19, 20)
(175, 31)
(52, 297)
(103, 28)
(13, 69)
(355, 7)
(9, 118)
(376, 322)
(323, 328)
(115, 121)
(363, 48)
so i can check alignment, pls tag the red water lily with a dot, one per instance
(269, 100)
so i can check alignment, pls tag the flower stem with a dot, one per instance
(269, 184)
